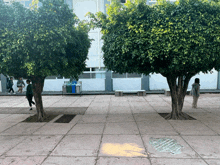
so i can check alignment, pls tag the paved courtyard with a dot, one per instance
(109, 130)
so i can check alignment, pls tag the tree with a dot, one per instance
(177, 40)
(44, 41)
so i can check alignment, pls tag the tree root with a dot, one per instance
(179, 116)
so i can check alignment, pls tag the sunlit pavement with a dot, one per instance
(109, 130)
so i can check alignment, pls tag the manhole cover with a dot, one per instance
(34, 118)
(165, 114)
(65, 119)
(166, 145)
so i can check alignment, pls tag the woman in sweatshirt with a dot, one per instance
(195, 92)
(29, 94)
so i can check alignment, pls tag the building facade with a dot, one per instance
(96, 77)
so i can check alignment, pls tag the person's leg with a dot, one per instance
(196, 101)
(30, 101)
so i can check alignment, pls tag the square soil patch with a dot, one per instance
(33, 118)
(65, 119)
(165, 114)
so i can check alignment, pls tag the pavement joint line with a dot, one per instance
(193, 148)
(99, 148)
(63, 136)
(145, 147)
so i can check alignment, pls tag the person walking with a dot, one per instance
(20, 85)
(195, 92)
(10, 86)
(29, 94)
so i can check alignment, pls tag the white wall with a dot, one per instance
(207, 81)
(158, 82)
(127, 84)
(54, 84)
(0, 86)
(93, 84)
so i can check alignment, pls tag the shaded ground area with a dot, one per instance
(111, 130)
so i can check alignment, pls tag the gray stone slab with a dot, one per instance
(164, 161)
(122, 161)
(52, 160)
(4, 126)
(186, 151)
(91, 128)
(2, 116)
(8, 142)
(54, 129)
(24, 160)
(97, 110)
(78, 145)
(125, 128)
(191, 127)
(206, 146)
(149, 117)
(120, 118)
(23, 129)
(35, 145)
(119, 110)
(93, 119)
(15, 118)
(156, 127)
(122, 146)
(213, 161)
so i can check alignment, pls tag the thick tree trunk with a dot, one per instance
(38, 84)
(178, 93)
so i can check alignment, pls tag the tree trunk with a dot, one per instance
(38, 84)
(178, 93)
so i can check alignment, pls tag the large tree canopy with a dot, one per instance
(41, 42)
(177, 40)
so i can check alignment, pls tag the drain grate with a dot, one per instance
(65, 119)
(33, 118)
(165, 114)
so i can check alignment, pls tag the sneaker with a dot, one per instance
(33, 103)
(30, 109)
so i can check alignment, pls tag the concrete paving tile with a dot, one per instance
(2, 116)
(213, 161)
(91, 128)
(8, 142)
(33, 160)
(99, 104)
(165, 161)
(76, 119)
(191, 127)
(158, 103)
(54, 129)
(128, 128)
(35, 145)
(22, 129)
(119, 110)
(77, 104)
(205, 117)
(156, 127)
(52, 160)
(122, 146)
(93, 119)
(186, 151)
(78, 145)
(120, 118)
(136, 99)
(15, 118)
(4, 126)
(148, 117)
(122, 161)
(206, 146)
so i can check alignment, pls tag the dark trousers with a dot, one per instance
(11, 89)
(29, 97)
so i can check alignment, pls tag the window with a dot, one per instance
(126, 75)
(123, 1)
(93, 73)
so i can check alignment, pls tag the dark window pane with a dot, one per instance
(133, 75)
(123, 1)
(117, 75)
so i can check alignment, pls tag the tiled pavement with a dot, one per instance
(109, 130)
